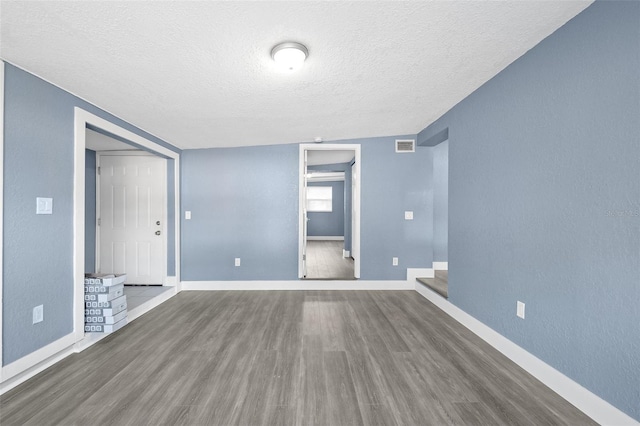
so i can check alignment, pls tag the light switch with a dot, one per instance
(408, 215)
(187, 215)
(44, 205)
(38, 314)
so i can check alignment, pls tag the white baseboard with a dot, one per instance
(171, 281)
(28, 366)
(441, 266)
(413, 273)
(328, 238)
(586, 401)
(11, 375)
(297, 285)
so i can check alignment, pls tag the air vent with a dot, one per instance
(405, 145)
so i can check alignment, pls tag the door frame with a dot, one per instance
(82, 120)
(304, 148)
(163, 230)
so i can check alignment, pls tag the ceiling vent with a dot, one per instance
(405, 145)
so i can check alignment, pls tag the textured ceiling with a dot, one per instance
(199, 74)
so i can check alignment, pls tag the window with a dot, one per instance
(319, 199)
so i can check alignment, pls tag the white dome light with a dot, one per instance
(289, 56)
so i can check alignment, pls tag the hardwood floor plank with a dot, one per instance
(312, 398)
(325, 261)
(376, 415)
(304, 358)
(251, 409)
(342, 402)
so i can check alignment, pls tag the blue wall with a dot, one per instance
(90, 211)
(440, 201)
(244, 203)
(393, 183)
(544, 201)
(38, 249)
(324, 224)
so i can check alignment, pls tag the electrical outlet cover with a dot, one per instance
(38, 314)
(44, 205)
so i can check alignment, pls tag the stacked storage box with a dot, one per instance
(105, 305)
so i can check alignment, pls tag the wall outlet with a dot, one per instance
(408, 215)
(394, 261)
(38, 314)
(44, 205)
(187, 215)
(520, 309)
(237, 261)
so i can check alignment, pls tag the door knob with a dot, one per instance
(157, 222)
(157, 232)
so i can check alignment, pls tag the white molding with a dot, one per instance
(176, 219)
(346, 253)
(79, 144)
(297, 285)
(317, 176)
(125, 153)
(586, 401)
(112, 128)
(171, 281)
(29, 365)
(1, 198)
(327, 238)
(413, 273)
(441, 266)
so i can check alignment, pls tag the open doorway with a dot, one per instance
(86, 253)
(329, 212)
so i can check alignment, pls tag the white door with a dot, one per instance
(131, 217)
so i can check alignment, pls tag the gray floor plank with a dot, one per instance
(271, 358)
(325, 261)
(342, 402)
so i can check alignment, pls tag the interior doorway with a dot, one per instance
(328, 228)
(84, 122)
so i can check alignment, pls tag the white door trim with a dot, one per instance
(81, 119)
(1, 191)
(327, 147)
(98, 231)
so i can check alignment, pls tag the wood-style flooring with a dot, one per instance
(325, 261)
(288, 358)
(439, 283)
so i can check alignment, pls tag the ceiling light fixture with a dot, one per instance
(289, 56)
